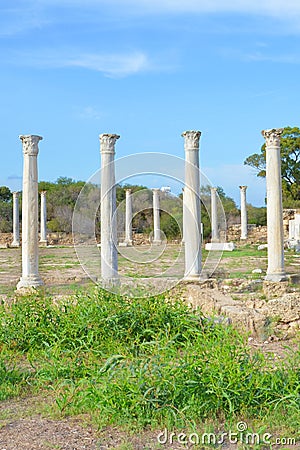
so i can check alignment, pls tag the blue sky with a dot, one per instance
(147, 70)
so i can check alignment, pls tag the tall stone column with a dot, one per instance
(109, 253)
(156, 217)
(30, 258)
(192, 206)
(275, 271)
(43, 239)
(244, 220)
(214, 216)
(184, 225)
(128, 218)
(16, 221)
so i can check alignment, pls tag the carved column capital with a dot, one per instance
(30, 144)
(191, 140)
(243, 188)
(272, 136)
(107, 142)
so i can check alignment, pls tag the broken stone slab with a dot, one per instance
(262, 247)
(220, 246)
(257, 271)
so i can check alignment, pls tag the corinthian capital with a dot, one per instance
(272, 136)
(191, 139)
(30, 144)
(107, 142)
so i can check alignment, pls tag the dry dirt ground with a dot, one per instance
(27, 423)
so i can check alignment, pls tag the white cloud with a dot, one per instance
(277, 8)
(111, 65)
(88, 112)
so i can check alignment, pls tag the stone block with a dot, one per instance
(220, 246)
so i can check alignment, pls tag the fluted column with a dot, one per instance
(156, 217)
(128, 218)
(214, 216)
(16, 221)
(184, 225)
(192, 211)
(30, 258)
(275, 271)
(43, 239)
(109, 253)
(244, 220)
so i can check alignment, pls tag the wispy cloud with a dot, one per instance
(88, 112)
(111, 65)
(14, 177)
(283, 58)
(260, 7)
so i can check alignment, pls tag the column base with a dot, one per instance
(125, 244)
(15, 244)
(109, 283)
(43, 243)
(30, 282)
(195, 278)
(276, 277)
(243, 238)
(157, 242)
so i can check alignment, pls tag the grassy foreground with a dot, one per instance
(142, 362)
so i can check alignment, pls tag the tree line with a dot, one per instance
(63, 193)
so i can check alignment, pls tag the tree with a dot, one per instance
(5, 194)
(290, 164)
(5, 209)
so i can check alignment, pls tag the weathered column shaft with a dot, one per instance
(156, 217)
(16, 221)
(244, 220)
(192, 211)
(109, 253)
(275, 271)
(214, 216)
(128, 217)
(30, 259)
(43, 238)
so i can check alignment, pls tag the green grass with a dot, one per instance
(140, 362)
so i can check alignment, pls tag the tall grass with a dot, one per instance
(143, 362)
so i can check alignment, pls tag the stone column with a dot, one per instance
(244, 220)
(128, 218)
(109, 253)
(156, 218)
(183, 217)
(16, 221)
(43, 239)
(192, 206)
(214, 216)
(275, 271)
(30, 258)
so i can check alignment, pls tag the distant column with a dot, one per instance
(30, 258)
(244, 220)
(275, 271)
(16, 221)
(109, 253)
(128, 217)
(192, 211)
(156, 217)
(214, 216)
(43, 239)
